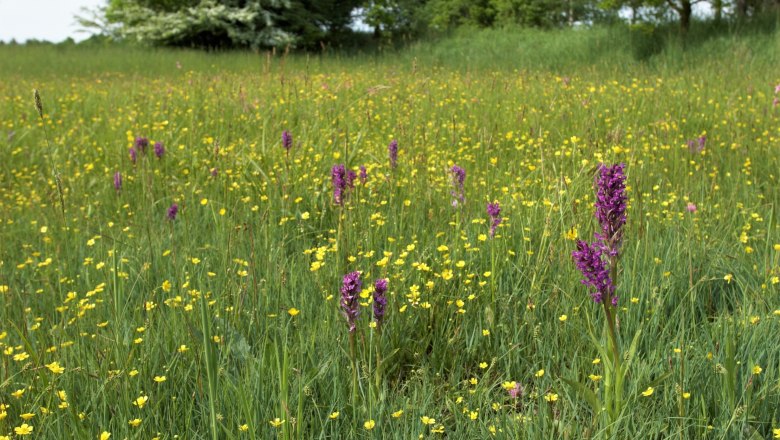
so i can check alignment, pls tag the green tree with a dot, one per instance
(155, 5)
(225, 23)
(314, 22)
(453, 13)
(206, 23)
(528, 13)
(392, 17)
(682, 8)
(541, 13)
(525, 12)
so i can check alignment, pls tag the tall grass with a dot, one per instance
(195, 314)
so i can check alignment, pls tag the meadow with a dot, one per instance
(173, 266)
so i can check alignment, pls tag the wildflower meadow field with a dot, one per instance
(438, 242)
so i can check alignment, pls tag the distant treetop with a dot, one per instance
(312, 24)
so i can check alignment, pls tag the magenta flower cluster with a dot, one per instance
(338, 178)
(117, 181)
(351, 287)
(159, 149)
(141, 143)
(351, 176)
(516, 391)
(590, 261)
(458, 181)
(350, 295)
(173, 210)
(596, 260)
(697, 145)
(343, 178)
(494, 211)
(287, 140)
(611, 201)
(380, 300)
(363, 175)
(392, 153)
(775, 100)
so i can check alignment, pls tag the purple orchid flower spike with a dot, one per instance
(350, 296)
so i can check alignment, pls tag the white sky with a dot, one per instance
(50, 20)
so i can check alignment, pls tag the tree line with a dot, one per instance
(313, 24)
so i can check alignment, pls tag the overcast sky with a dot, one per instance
(50, 20)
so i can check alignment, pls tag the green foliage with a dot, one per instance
(155, 5)
(540, 13)
(514, 13)
(313, 22)
(454, 13)
(646, 41)
(396, 17)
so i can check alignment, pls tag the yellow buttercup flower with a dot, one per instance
(25, 429)
(55, 368)
(140, 402)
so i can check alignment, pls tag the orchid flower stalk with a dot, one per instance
(598, 262)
